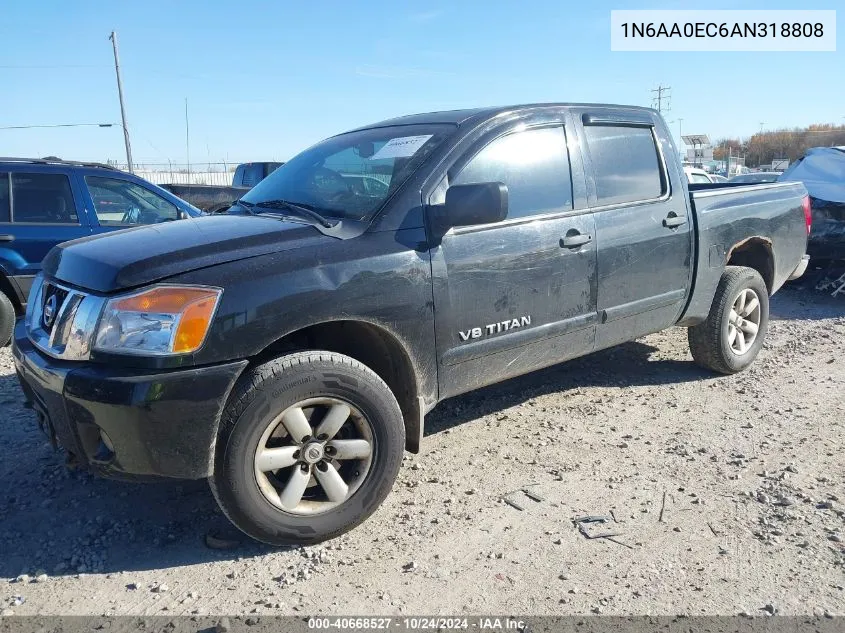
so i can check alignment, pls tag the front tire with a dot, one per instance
(733, 334)
(7, 319)
(309, 446)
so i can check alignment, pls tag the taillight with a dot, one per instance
(808, 213)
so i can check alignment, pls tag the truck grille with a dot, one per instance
(60, 321)
(53, 300)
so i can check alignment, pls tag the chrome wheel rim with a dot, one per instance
(744, 321)
(313, 456)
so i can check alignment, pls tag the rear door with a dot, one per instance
(644, 234)
(44, 211)
(517, 295)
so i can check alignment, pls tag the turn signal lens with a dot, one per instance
(160, 321)
(196, 317)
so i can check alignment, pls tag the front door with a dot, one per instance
(520, 294)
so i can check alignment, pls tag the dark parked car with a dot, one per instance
(218, 198)
(290, 354)
(47, 201)
(755, 177)
(822, 171)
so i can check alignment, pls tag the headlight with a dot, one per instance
(160, 321)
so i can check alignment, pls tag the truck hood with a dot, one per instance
(142, 255)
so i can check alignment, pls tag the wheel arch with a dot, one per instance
(371, 344)
(755, 252)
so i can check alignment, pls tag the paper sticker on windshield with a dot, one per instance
(401, 147)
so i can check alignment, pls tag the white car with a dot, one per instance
(697, 176)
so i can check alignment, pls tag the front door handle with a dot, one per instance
(5, 237)
(574, 239)
(673, 220)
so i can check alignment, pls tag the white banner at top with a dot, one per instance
(723, 30)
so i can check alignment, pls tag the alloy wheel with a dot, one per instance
(314, 456)
(744, 321)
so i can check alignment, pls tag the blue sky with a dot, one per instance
(265, 79)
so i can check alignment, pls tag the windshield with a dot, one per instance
(351, 175)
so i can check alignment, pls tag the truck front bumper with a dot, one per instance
(801, 268)
(123, 422)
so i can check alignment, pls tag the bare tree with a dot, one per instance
(763, 147)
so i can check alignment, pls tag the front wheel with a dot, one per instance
(7, 319)
(309, 446)
(732, 336)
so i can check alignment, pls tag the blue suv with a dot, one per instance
(47, 201)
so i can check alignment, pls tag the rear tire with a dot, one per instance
(279, 414)
(7, 319)
(733, 334)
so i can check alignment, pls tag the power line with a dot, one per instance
(661, 100)
(29, 127)
(52, 66)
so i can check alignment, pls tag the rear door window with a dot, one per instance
(42, 199)
(123, 203)
(626, 164)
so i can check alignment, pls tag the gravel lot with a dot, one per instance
(747, 472)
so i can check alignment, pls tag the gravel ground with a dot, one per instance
(728, 495)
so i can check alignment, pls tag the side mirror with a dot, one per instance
(479, 203)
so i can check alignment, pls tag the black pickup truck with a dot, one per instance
(290, 353)
(218, 198)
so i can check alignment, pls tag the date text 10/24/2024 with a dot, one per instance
(420, 623)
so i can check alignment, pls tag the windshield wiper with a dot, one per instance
(291, 206)
(246, 205)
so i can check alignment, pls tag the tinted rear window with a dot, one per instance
(43, 198)
(250, 175)
(625, 163)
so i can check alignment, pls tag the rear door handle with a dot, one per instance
(574, 239)
(5, 237)
(673, 220)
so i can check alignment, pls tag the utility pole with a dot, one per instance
(660, 101)
(113, 38)
(187, 141)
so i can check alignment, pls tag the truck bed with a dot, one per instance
(769, 215)
(211, 198)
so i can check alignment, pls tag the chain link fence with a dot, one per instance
(182, 173)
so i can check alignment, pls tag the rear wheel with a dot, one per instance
(310, 444)
(7, 319)
(733, 334)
